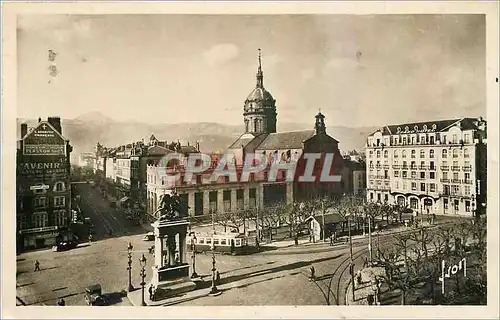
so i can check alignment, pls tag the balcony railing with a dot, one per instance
(456, 181)
(432, 168)
(445, 168)
(386, 166)
(396, 166)
(422, 167)
(455, 168)
(467, 168)
(454, 194)
(413, 167)
(445, 180)
(405, 168)
(468, 181)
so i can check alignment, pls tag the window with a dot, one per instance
(432, 187)
(455, 153)
(455, 176)
(371, 195)
(403, 154)
(404, 140)
(39, 219)
(396, 174)
(378, 154)
(413, 186)
(404, 185)
(378, 197)
(445, 175)
(467, 206)
(223, 242)
(60, 218)
(466, 138)
(209, 241)
(466, 153)
(237, 242)
(413, 153)
(431, 153)
(445, 204)
(40, 202)
(455, 138)
(422, 153)
(445, 153)
(467, 177)
(396, 154)
(413, 174)
(405, 174)
(371, 153)
(397, 184)
(467, 190)
(422, 187)
(422, 175)
(456, 205)
(59, 186)
(386, 154)
(431, 165)
(201, 241)
(455, 190)
(371, 164)
(432, 175)
(405, 165)
(413, 203)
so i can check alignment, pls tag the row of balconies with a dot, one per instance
(421, 142)
(464, 181)
(422, 167)
(441, 193)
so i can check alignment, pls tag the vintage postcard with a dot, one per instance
(250, 160)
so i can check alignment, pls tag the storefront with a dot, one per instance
(39, 237)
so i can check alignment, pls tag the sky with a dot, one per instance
(360, 70)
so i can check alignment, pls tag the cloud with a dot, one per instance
(308, 73)
(221, 54)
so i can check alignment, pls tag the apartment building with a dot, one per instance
(432, 167)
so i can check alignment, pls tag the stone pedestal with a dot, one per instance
(171, 269)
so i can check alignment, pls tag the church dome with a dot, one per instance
(259, 94)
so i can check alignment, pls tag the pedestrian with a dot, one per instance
(358, 277)
(217, 277)
(365, 263)
(61, 302)
(312, 273)
(90, 238)
(37, 266)
(331, 240)
(150, 290)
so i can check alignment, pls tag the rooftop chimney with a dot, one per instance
(24, 129)
(56, 123)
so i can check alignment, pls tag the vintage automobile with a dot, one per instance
(93, 296)
(64, 246)
(150, 236)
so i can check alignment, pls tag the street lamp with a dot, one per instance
(193, 256)
(143, 275)
(213, 290)
(129, 250)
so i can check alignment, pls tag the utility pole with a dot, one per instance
(257, 232)
(351, 265)
(370, 236)
(323, 217)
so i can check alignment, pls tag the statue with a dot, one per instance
(169, 207)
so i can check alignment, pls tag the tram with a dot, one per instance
(229, 243)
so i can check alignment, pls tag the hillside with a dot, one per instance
(85, 131)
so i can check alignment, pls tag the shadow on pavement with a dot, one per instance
(115, 297)
(286, 267)
(248, 267)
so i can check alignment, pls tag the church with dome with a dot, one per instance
(261, 137)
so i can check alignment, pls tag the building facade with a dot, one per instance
(432, 167)
(43, 184)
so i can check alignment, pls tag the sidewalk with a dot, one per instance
(364, 289)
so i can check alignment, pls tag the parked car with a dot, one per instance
(64, 246)
(94, 297)
(149, 237)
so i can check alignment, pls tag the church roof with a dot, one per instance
(285, 140)
(242, 141)
(158, 151)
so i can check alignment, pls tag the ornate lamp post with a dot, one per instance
(193, 256)
(213, 290)
(129, 250)
(143, 275)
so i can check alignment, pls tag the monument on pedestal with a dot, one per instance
(171, 268)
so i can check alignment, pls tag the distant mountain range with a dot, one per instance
(86, 130)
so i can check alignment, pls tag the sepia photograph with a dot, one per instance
(252, 159)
